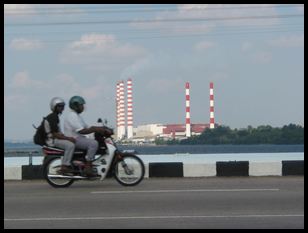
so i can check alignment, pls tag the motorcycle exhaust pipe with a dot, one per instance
(66, 177)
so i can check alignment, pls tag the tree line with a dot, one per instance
(264, 134)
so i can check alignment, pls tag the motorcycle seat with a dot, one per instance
(52, 150)
(57, 151)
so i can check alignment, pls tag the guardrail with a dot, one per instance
(26, 153)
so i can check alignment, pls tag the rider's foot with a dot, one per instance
(88, 171)
(66, 170)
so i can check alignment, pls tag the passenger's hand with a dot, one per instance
(71, 139)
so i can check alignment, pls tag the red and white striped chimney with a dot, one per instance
(188, 131)
(129, 108)
(121, 133)
(212, 122)
(118, 109)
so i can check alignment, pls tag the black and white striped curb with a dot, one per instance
(180, 169)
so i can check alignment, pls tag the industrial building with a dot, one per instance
(149, 132)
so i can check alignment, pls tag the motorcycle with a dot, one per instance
(127, 168)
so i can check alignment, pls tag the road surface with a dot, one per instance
(212, 202)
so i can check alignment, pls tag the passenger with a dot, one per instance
(56, 138)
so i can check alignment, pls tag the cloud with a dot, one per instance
(101, 51)
(176, 28)
(94, 41)
(288, 41)
(137, 67)
(208, 11)
(22, 80)
(63, 85)
(16, 9)
(25, 44)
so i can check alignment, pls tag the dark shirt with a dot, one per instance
(54, 121)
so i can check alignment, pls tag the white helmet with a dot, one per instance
(55, 101)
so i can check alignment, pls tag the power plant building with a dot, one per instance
(149, 132)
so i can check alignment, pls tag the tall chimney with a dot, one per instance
(118, 110)
(212, 122)
(188, 131)
(129, 109)
(121, 111)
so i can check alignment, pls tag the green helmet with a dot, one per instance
(75, 101)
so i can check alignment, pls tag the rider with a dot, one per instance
(56, 138)
(75, 126)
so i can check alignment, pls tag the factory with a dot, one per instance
(150, 132)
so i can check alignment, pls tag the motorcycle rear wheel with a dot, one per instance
(51, 166)
(129, 171)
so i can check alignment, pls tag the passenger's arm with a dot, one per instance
(59, 135)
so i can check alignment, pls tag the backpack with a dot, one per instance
(40, 135)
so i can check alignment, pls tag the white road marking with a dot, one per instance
(182, 191)
(155, 217)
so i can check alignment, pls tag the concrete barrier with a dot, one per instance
(171, 169)
(232, 168)
(199, 170)
(265, 169)
(292, 167)
(12, 173)
(180, 169)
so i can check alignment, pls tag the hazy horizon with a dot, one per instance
(254, 55)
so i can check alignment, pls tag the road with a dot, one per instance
(212, 202)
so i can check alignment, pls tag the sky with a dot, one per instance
(253, 53)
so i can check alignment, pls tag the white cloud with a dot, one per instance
(63, 85)
(94, 41)
(101, 51)
(175, 28)
(209, 11)
(15, 9)
(22, 11)
(288, 41)
(25, 44)
(22, 80)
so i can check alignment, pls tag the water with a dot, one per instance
(188, 153)
(215, 149)
(16, 150)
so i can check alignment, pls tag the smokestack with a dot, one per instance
(118, 109)
(129, 109)
(188, 131)
(212, 122)
(121, 133)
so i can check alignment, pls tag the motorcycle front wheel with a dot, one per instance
(129, 171)
(51, 167)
